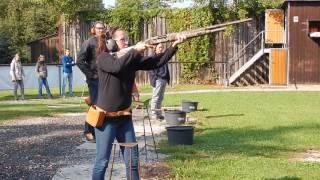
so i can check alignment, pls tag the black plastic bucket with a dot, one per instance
(180, 135)
(174, 117)
(189, 106)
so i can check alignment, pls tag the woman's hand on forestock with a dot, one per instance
(141, 47)
(179, 39)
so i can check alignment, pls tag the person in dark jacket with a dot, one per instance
(159, 78)
(122, 40)
(86, 62)
(116, 79)
(42, 72)
(67, 63)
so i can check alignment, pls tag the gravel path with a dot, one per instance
(53, 148)
(36, 148)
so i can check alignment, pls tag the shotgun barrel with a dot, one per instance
(189, 34)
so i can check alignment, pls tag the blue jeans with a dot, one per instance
(17, 83)
(122, 129)
(157, 96)
(43, 81)
(93, 93)
(67, 77)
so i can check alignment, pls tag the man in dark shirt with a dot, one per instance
(86, 61)
(159, 78)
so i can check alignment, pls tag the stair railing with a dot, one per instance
(255, 45)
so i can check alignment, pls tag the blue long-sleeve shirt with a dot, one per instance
(67, 63)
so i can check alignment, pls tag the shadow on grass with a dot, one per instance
(37, 151)
(203, 109)
(35, 96)
(251, 142)
(225, 115)
(284, 178)
(14, 111)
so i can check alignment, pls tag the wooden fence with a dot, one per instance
(73, 35)
(224, 48)
(155, 27)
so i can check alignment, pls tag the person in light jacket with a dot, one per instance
(17, 74)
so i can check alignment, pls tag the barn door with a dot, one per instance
(278, 66)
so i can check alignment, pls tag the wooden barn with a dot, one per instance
(68, 36)
(289, 49)
(302, 24)
(49, 46)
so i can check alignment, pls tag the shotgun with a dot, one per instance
(172, 36)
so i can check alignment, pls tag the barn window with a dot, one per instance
(314, 29)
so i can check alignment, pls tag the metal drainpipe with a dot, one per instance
(59, 69)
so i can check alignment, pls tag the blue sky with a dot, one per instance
(181, 5)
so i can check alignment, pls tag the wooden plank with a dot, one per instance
(274, 22)
(278, 69)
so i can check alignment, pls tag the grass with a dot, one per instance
(180, 87)
(249, 135)
(38, 108)
(34, 107)
(239, 135)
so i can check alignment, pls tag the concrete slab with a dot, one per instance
(83, 170)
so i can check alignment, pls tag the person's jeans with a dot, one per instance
(93, 93)
(43, 81)
(157, 96)
(122, 129)
(67, 77)
(15, 88)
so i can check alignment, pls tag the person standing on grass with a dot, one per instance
(159, 78)
(17, 74)
(42, 72)
(86, 62)
(67, 63)
(116, 79)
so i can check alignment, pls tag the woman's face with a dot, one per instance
(159, 49)
(121, 39)
(100, 29)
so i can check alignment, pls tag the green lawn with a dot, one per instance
(239, 135)
(34, 108)
(249, 135)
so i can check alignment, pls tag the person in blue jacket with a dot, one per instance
(67, 63)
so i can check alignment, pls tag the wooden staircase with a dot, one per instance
(251, 70)
(255, 74)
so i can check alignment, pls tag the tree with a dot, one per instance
(6, 54)
(25, 21)
(22, 21)
(130, 15)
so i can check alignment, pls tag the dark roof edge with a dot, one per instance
(51, 35)
(286, 2)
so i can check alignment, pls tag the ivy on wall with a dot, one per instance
(196, 49)
(130, 16)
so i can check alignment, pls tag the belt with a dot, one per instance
(124, 112)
